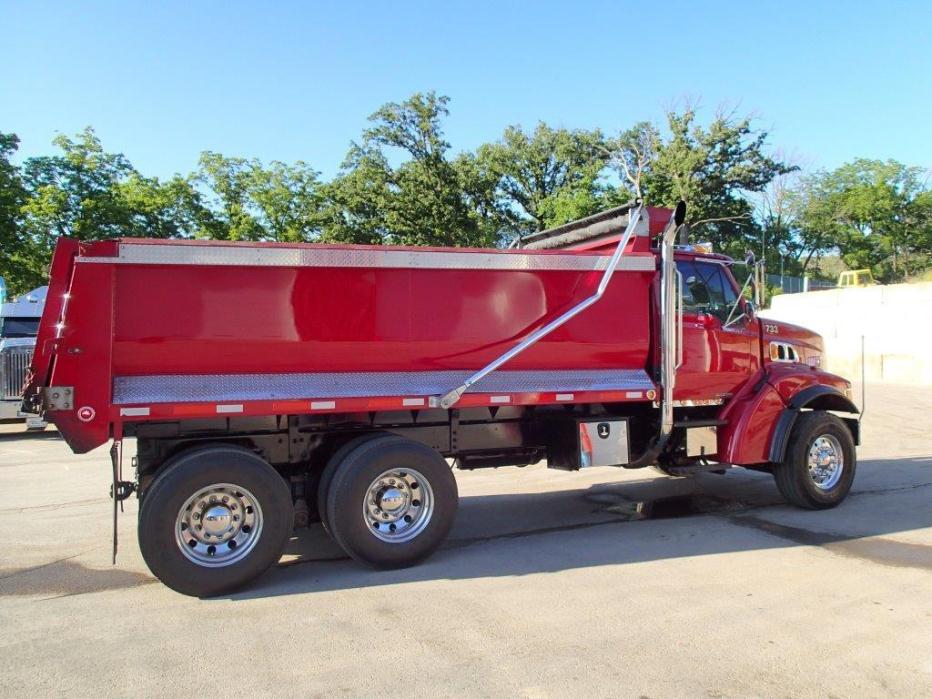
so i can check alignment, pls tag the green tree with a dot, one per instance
(547, 177)
(171, 209)
(713, 169)
(77, 193)
(631, 153)
(228, 182)
(12, 196)
(288, 199)
(876, 213)
(421, 201)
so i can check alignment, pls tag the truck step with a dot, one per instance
(712, 422)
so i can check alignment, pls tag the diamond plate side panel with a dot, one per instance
(246, 387)
(248, 256)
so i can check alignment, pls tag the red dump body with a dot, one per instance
(155, 330)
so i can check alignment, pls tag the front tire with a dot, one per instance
(213, 520)
(391, 502)
(818, 469)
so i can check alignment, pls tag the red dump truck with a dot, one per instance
(269, 385)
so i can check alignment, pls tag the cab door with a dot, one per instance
(720, 341)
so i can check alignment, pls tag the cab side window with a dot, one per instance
(706, 289)
(695, 294)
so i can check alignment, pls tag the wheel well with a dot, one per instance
(822, 398)
(153, 455)
(807, 400)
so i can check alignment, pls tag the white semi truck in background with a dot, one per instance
(19, 324)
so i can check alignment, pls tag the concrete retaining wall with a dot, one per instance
(894, 321)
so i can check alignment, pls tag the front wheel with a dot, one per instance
(213, 520)
(391, 501)
(818, 469)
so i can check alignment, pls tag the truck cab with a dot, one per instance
(19, 325)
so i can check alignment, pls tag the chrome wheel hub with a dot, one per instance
(826, 462)
(219, 525)
(398, 505)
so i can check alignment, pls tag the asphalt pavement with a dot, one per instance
(600, 583)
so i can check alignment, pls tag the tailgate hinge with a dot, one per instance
(57, 397)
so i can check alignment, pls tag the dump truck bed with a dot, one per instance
(149, 330)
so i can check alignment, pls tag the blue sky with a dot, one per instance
(163, 81)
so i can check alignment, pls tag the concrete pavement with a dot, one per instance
(550, 585)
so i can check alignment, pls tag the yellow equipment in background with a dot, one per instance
(856, 277)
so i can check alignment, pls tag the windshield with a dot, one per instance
(12, 326)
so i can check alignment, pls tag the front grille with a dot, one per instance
(14, 362)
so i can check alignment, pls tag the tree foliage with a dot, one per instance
(427, 199)
(713, 169)
(876, 213)
(547, 177)
(401, 184)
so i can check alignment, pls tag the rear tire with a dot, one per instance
(326, 478)
(213, 520)
(820, 462)
(391, 502)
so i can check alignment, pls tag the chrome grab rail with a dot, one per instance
(679, 320)
(449, 399)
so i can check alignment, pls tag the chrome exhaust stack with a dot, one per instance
(671, 338)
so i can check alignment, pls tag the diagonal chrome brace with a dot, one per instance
(449, 399)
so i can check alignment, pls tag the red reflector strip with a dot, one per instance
(286, 406)
(193, 409)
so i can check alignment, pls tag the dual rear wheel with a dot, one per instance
(217, 517)
(387, 501)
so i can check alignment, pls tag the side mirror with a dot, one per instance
(749, 308)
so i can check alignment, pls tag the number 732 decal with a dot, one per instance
(771, 328)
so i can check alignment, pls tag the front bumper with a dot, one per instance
(12, 410)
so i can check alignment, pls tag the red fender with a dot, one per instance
(761, 414)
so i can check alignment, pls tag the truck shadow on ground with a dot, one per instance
(66, 578)
(22, 434)
(614, 524)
